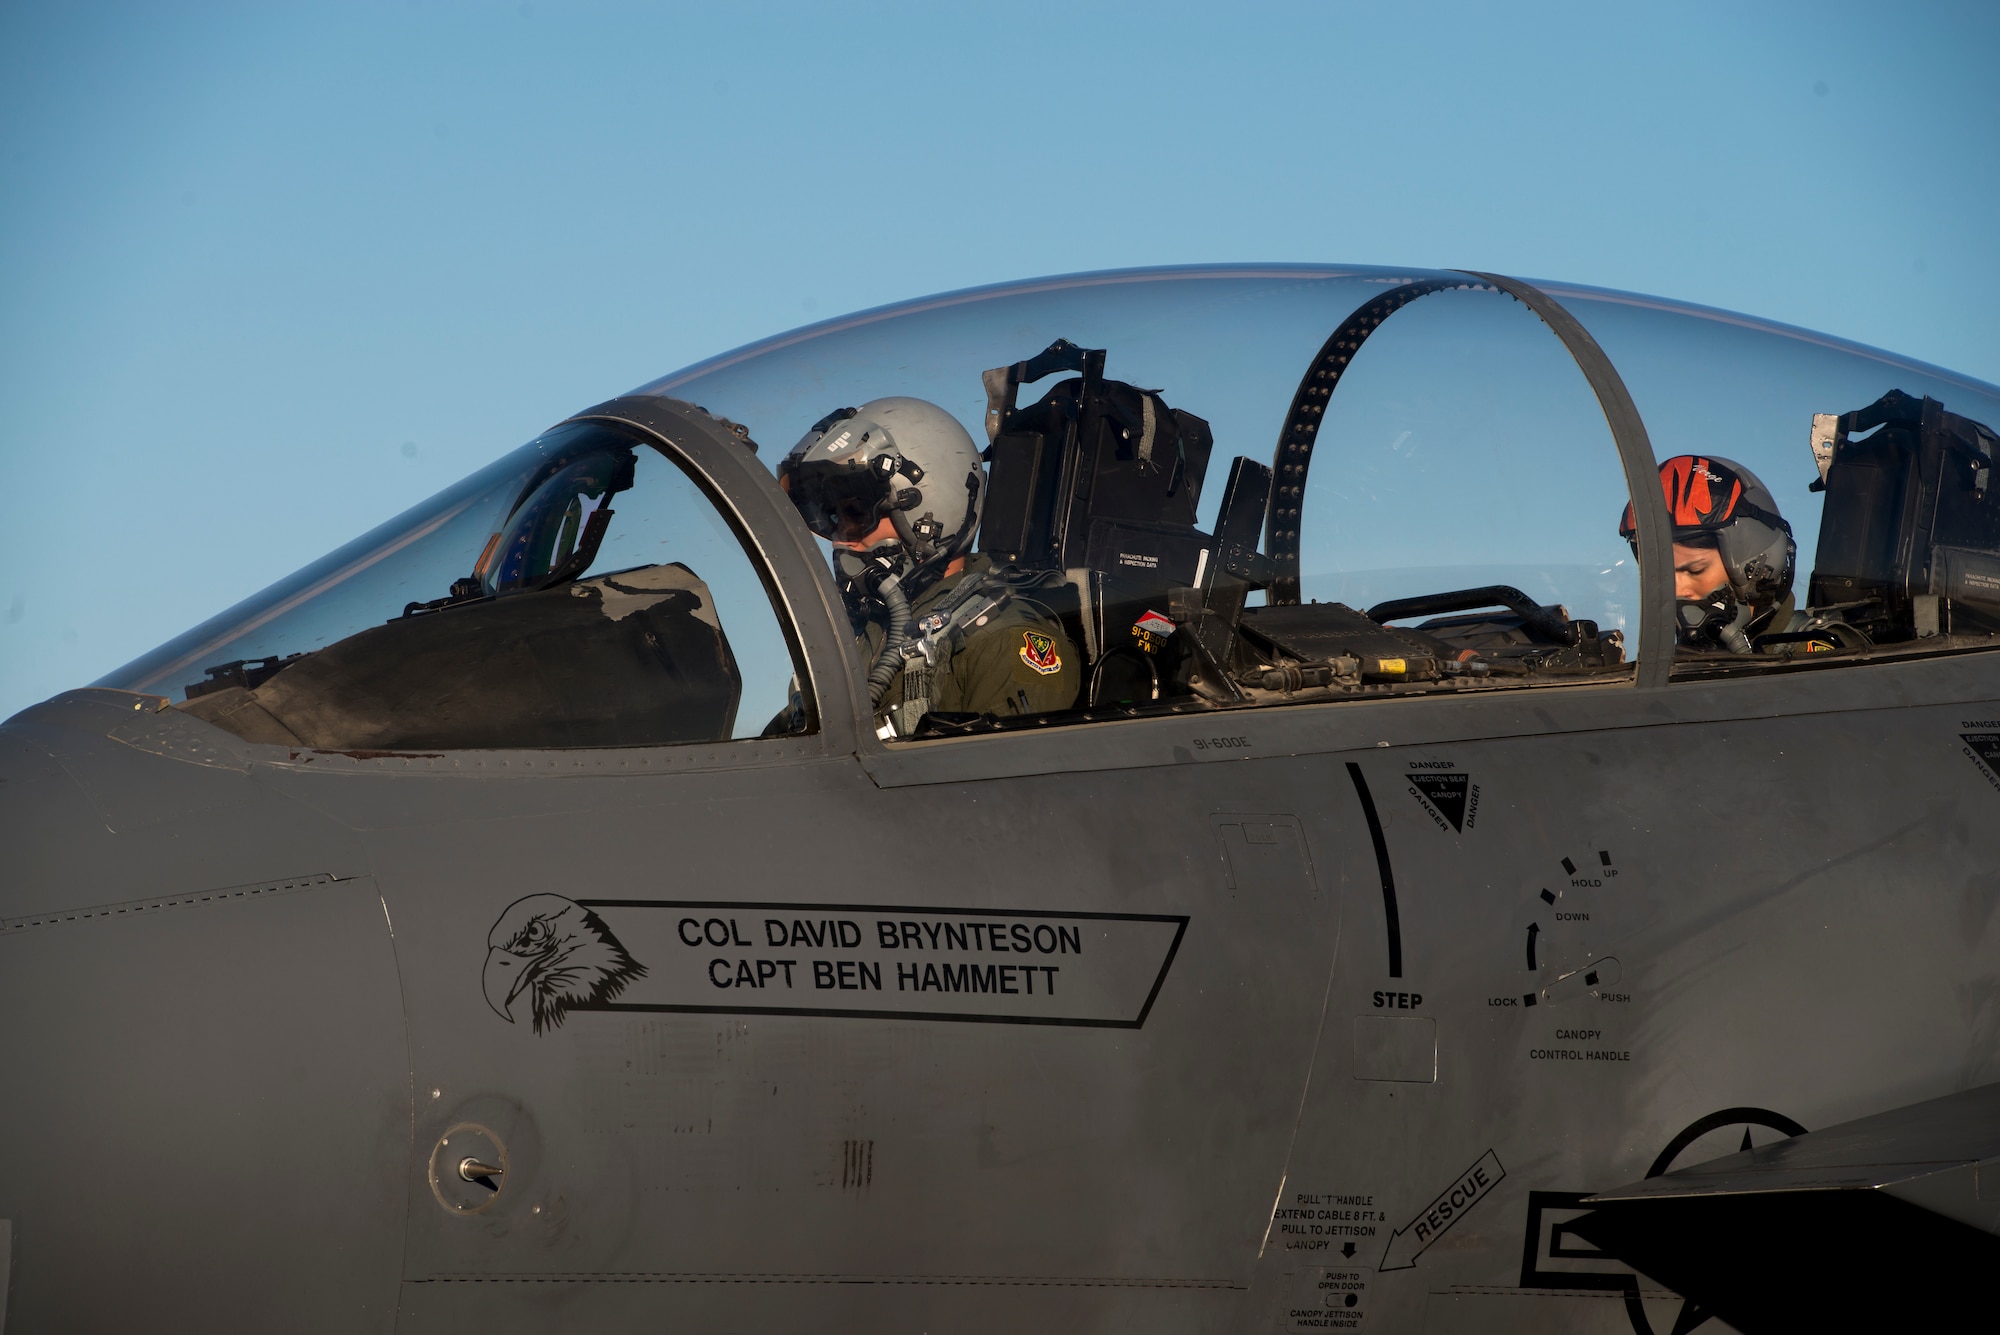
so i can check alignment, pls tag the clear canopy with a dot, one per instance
(1714, 382)
(1441, 465)
(1463, 448)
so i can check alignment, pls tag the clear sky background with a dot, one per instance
(271, 273)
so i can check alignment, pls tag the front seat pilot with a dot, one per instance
(896, 485)
(1733, 554)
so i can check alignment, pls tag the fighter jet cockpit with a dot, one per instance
(1111, 496)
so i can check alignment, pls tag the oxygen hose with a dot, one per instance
(890, 661)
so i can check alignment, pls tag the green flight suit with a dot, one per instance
(1017, 660)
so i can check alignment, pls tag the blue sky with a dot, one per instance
(270, 274)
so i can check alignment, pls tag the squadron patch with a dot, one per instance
(1038, 651)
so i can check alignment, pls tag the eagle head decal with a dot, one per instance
(557, 952)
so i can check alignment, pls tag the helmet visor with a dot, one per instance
(840, 502)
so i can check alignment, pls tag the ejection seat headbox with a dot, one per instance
(1909, 540)
(1097, 474)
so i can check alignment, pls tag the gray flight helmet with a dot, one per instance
(899, 458)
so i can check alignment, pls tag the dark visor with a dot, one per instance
(837, 500)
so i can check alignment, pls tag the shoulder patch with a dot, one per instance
(1038, 651)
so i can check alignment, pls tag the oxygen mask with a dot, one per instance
(1715, 621)
(862, 575)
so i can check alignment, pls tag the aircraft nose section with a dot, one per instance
(501, 979)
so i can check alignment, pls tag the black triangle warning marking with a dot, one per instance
(1987, 747)
(1447, 793)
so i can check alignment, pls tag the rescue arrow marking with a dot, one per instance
(1469, 1188)
(1534, 930)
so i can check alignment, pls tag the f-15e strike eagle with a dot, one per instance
(1350, 800)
